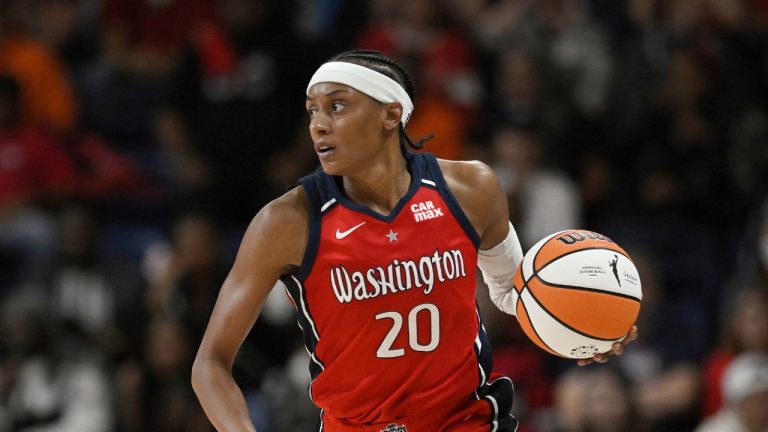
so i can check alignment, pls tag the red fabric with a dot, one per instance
(713, 375)
(357, 384)
(33, 166)
(465, 415)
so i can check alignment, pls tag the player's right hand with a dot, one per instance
(616, 350)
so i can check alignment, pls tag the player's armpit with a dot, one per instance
(481, 197)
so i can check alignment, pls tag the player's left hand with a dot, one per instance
(616, 349)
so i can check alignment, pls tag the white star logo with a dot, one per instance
(392, 236)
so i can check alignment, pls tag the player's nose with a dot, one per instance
(319, 124)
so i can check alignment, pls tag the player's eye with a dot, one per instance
(337, 106)
(311, 112)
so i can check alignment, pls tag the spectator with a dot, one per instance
(34, 171)
(662, 370)
(542, 200)
(745, 330)
(609, 406)
(46, 97)
(245, 64)
(579, 52)
(65, 27)
(154, 393)
(97, 301)
(138, 38)
(745, 387)
(526, 92)
(596, 400)
(181, 165)
(186, 285)
(47, 386)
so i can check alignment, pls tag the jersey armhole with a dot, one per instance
(313, 238)
(450, 200)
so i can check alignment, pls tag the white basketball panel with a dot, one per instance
(598, 269)
(559, 338)
(527, 265)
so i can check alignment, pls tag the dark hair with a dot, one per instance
(378, 62)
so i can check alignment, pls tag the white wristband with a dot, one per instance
(498, 265)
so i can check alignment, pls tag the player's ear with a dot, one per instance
(393, 113)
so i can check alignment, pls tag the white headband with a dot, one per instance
(376, 85)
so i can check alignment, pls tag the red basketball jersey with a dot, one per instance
(387, 303)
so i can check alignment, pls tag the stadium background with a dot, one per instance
(139, 137)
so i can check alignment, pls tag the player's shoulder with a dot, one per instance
(471, 175)
(287, 214)
(280, 230)
(479, 194)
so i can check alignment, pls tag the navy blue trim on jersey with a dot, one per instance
(416, 170)
(499, 394)
(436, 175)
(483, 350)
(305, 321)
(319, 425)
(315, 202)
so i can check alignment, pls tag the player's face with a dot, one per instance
(345, 125)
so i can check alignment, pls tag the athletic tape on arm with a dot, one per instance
(376, 85)
(498, 265)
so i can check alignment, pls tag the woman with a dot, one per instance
(379, 252)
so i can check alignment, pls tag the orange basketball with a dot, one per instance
(578, 293)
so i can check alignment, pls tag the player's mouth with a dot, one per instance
(324, 151)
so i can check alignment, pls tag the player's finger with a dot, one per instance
(617, 348)
(600, 358)
(584, 362)
(632, 335)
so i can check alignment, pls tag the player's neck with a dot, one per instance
(381, 185)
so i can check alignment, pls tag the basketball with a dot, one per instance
(578, 293)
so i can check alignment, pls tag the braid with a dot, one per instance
(380, 63)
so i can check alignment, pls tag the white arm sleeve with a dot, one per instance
(498, 266)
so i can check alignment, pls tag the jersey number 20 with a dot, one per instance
(385, 349)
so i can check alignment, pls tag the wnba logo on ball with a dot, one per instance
(394, 428)
(577, 236)
(584, 351)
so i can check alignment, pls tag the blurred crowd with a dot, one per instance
(139, 137)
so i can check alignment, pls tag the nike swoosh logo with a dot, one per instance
(341, 234)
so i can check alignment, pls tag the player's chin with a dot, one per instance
(333, 168)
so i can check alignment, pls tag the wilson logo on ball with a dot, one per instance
(577, 236)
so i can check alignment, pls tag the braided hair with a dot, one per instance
(382, 64)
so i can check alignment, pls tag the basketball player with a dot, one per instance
(379, 253)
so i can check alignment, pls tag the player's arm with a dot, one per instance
(483, 200)
(274, 242)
